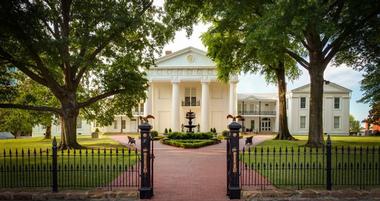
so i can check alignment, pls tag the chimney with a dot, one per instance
(167, 52)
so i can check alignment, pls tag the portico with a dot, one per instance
(186, 80)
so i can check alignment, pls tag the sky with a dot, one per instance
(250, 83)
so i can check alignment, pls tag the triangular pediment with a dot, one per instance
(329, 87)
(188, 57)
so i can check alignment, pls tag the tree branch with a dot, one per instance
(22, 67)
(330, 51)
(305, 44)
(104, 44)
(31, 107)
(99, 97)
(27, 42)
(299, 59)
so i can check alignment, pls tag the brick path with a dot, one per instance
(190, 174)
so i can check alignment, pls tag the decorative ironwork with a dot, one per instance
(233, 170)
(69, 169)
(146, 189)
(303, 167)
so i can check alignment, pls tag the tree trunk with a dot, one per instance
(283, 130)
(70, 132)
(69, 117)
(316, 103)
(48, 132)
(62, 131)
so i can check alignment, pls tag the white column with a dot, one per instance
(277, 117)
(148, 101)
(204, 107)
(232, 109)
(175, 106)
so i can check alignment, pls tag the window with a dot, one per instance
(122, 124)
(252, 125)
(336, 103)
(303, 102)
(190, 97)
(251, 107)
(142, 108)
(240, 110)
(79, 122)
(115, 124)
(336, 121)
(302, 121)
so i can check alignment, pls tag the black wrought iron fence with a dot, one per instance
(302, 167)
(69, 169)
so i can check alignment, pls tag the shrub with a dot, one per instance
(187, 136)
(225, 133)
(190, 143)
(95, 134)
(166, 131)
(170, 130)
(154, 133)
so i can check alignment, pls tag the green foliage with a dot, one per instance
(166, 131)
(234, 40)
(225, 133)
(24, 91)
(170, 130)
(185, 136)
(18, 122)
(90, 55)
(354, 124)
(245, 35)
(154, 133)
(190, 143)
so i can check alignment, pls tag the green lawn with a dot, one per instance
(336, 141)
(99, 165)
(291, 164)
(40, 142)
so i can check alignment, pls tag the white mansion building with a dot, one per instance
(187, 80)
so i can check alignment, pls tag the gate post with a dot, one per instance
(146, 189)
(234, 170)
(328, 164)
(54, 169)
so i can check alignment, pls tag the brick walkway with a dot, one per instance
(190, 174)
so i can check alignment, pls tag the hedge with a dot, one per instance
(188, 136)
(190, 143)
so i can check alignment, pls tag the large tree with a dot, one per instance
(311, 32)
(363, 54)
(233, 46)
(82, 51)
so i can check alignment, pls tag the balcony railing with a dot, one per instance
(137, 113)
(191, 103)
(257, 112)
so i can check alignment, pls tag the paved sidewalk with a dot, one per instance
(190, 174)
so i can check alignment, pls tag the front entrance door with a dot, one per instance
(265, 124)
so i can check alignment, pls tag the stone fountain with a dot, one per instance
(190, 116)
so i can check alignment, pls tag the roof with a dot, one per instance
(326, 84)
(257, 96)
(180, 52)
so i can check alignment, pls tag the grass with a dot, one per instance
(40, 142)
(352, 141)
(299, 166)
(96, 166)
